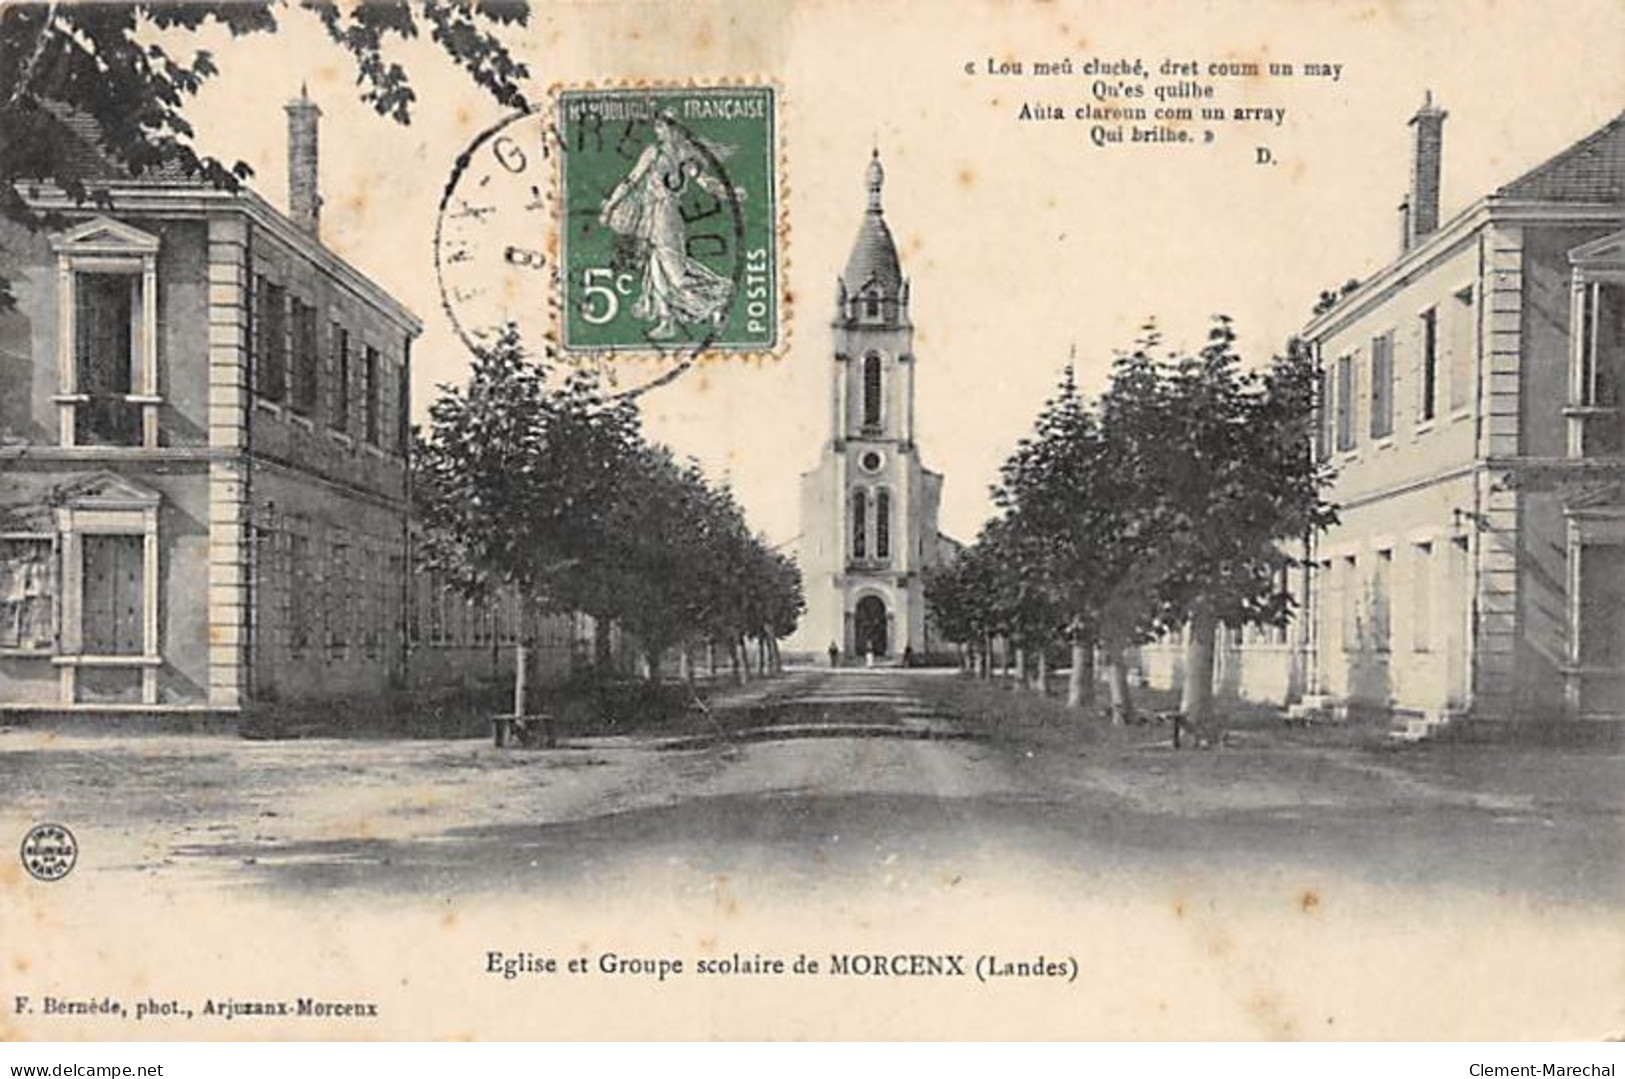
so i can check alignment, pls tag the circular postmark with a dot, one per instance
(609, 231)
(49, 852)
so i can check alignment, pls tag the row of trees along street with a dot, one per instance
(1169, 503)
(532, 477)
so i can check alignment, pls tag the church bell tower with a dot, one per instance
(869, 510)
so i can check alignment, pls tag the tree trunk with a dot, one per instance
(744, 659)
(1080, 684)
(733, 664)
(651, 664)
(685, 666)
(1008, 659)
(1041, 675)
(1021, 667)
(1122, 698)
(521, 677)
(710, 658)
(1196, 702)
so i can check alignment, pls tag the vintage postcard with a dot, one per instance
(812, 520)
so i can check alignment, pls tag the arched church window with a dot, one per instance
(860, 525)
(883, 524)
(871, 306)
(871, 390)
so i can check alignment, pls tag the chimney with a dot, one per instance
(304, 189)
(1422, 213)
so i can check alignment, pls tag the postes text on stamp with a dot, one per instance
(669, 232)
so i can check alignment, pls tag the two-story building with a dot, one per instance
(1471, 408)
(204, 490)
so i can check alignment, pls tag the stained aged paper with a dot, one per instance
(1048, 177)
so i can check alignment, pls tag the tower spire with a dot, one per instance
(877, 177)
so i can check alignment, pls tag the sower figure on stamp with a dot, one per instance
(646, 206)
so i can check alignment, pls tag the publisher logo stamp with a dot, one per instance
(49, 852)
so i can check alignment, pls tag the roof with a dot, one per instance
(874, 257)
(163, 185)
(82, 145)
(1585, 176)
(1592, 170)
(874, 252)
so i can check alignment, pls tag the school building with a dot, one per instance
(1471, 406)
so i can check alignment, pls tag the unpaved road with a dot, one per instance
(861, 778)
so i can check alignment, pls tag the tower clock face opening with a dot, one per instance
(871, 461)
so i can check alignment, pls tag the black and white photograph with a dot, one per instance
(813, 520)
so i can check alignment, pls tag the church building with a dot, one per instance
(869, 510)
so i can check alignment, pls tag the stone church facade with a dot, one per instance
(869, 509)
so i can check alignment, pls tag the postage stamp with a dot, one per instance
(669, 203)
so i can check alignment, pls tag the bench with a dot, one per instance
(527, 730)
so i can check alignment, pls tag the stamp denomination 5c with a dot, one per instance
(670, 209)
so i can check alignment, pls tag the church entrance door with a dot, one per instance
(869, 627)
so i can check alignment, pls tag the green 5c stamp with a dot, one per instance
(669, 220)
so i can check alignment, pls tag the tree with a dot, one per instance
(962, 597)
(63, 61)
(517, 482)
(1167, 505)
(532, 478)
(1222, 458)
(1064, 490)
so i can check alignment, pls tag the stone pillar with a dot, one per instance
(228, 586)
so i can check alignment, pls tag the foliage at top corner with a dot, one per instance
(73, 73)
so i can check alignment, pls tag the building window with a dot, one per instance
(107, 335)
(302, 398)
(1345, 403)
(338, 415)
(403, 401)
(1463, 336)
(105, 307)
(1349, 594)
(435, 597)
(860, 525)
(366, 602)
(301, 589)
(271, 341)
(1323, 429)
(336, 611)
(1601, 643)
(1596, 423)
(1429, 407)
(27, 594)
(114, 610)
(1602, 344)
(871, 390)
(883, 524)
(1382, 581)
(1422, 597)
(1283, 586)
(871, 306)
(1382, 386)
(371, 392)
